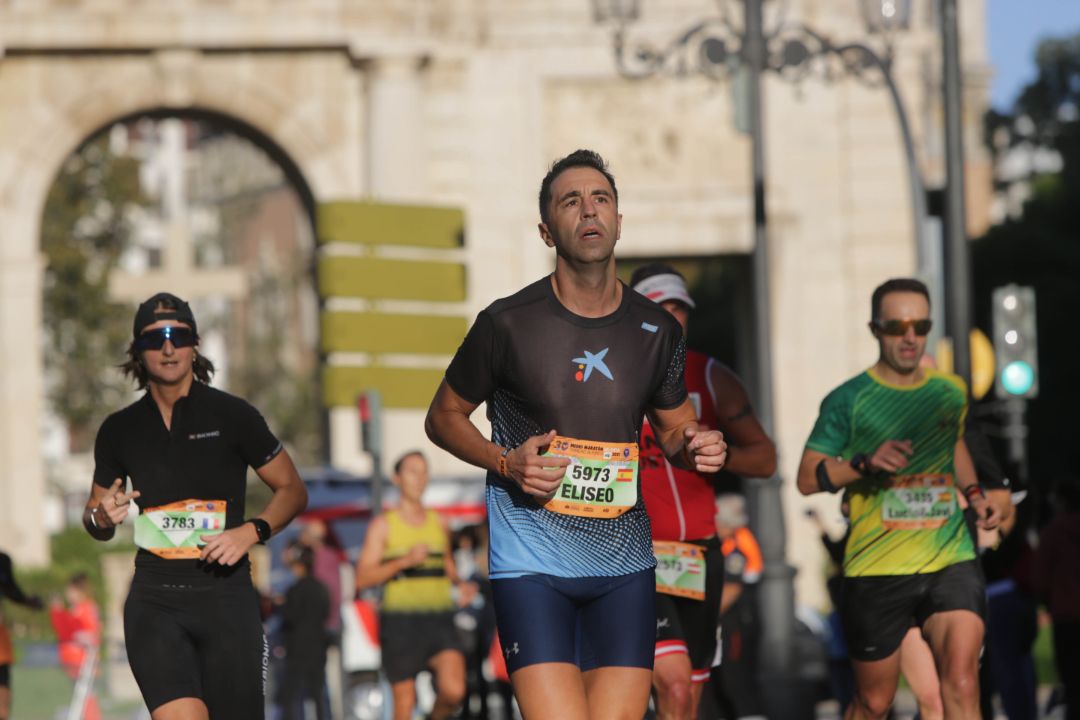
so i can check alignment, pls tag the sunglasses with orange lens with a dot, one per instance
(899, 328)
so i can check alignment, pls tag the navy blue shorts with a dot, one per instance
(591, 622)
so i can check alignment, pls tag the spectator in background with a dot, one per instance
(9, 589)
(77, 624)
(304, 614)
(841, 675)
(1056, 578)
(327, 570)
(735, 680)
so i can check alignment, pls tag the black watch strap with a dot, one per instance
(860, 463)
(262, 529)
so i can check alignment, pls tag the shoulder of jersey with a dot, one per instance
(531, 293)
(949, 378)
(852, 384)
(647, 311)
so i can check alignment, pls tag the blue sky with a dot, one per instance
(1015, 27)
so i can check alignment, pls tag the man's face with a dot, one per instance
(902, 352)
(170, 365)
(583, 220)
(413, 476)
(680, 311)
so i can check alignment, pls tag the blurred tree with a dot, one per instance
(1041, 248)
(85, 229)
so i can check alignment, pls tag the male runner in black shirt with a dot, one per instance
(568, 367)
(9, 589)
(191, 621)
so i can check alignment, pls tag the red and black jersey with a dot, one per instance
(681, 502)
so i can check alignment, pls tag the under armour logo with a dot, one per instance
(512, 650)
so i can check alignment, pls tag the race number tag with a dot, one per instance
(175, 531)
(601, 480)
(680, 569)
(918, 502)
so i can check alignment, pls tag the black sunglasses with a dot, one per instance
(155, 339)
(899, 328)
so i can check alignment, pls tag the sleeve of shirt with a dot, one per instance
(107, 465)
(258, 445)
(833, 427)
(471, 373)
(671, 391)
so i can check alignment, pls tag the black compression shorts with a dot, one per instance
(689, 626)
(5, 676)
(878, 611)
(203, 641)
(409, 641)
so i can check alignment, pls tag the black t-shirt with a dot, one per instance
(214, 438)
(540, 367)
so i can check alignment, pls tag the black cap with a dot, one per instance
(146, 315)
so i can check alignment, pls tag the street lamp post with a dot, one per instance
(712, 48)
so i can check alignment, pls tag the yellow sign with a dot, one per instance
(982, 361)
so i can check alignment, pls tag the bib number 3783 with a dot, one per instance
(601, 480)
(175, 531)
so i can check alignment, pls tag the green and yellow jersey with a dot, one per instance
(910, 522)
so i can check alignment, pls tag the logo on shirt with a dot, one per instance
(204, 435)
(591, 362)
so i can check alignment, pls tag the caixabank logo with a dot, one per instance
(591, 361)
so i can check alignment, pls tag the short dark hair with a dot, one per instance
(300, 554)
(133, 367)
(578, 158)
(405, 456)
(895, 285)
(655, 268)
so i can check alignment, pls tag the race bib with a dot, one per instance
(918, 502)
(680, 569)
(175, 531)
(601, 480)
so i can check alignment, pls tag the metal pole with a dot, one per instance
(777, 590)
(958, 294)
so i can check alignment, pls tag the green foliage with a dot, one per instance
(1042, 249)
(85, 229)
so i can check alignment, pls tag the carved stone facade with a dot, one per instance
(465, 102)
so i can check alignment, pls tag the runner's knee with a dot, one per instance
(874, 704)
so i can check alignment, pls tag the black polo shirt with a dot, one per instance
(214, 438)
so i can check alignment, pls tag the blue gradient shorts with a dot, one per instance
(590, 622)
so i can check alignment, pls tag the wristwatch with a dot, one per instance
(262, 529)
(860, 463)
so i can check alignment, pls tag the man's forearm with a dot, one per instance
(456, 434)
(756, 460)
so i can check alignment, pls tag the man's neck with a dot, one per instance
(589, 291)
(889, 374)
(166, 395)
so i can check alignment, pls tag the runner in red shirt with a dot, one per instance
(680, 504)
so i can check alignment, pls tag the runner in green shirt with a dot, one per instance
(892, 439)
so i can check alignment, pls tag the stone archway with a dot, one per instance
(53, 102)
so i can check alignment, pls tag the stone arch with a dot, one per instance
(53, 104)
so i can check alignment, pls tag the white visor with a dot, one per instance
(661, 288)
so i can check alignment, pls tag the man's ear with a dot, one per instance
(545, 234)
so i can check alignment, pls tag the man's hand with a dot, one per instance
(227, 548)
(114, 505)
(892, 456)
(417, 554)
(987, 514)
(536, 475)
(705, 449)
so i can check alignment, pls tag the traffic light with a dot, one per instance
(369, 406)
(1015, 342)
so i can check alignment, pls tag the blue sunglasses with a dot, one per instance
(155, 339)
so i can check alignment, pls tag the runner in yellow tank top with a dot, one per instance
(407, 550)
(892, 439)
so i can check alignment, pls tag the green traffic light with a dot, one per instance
(1017, 377)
